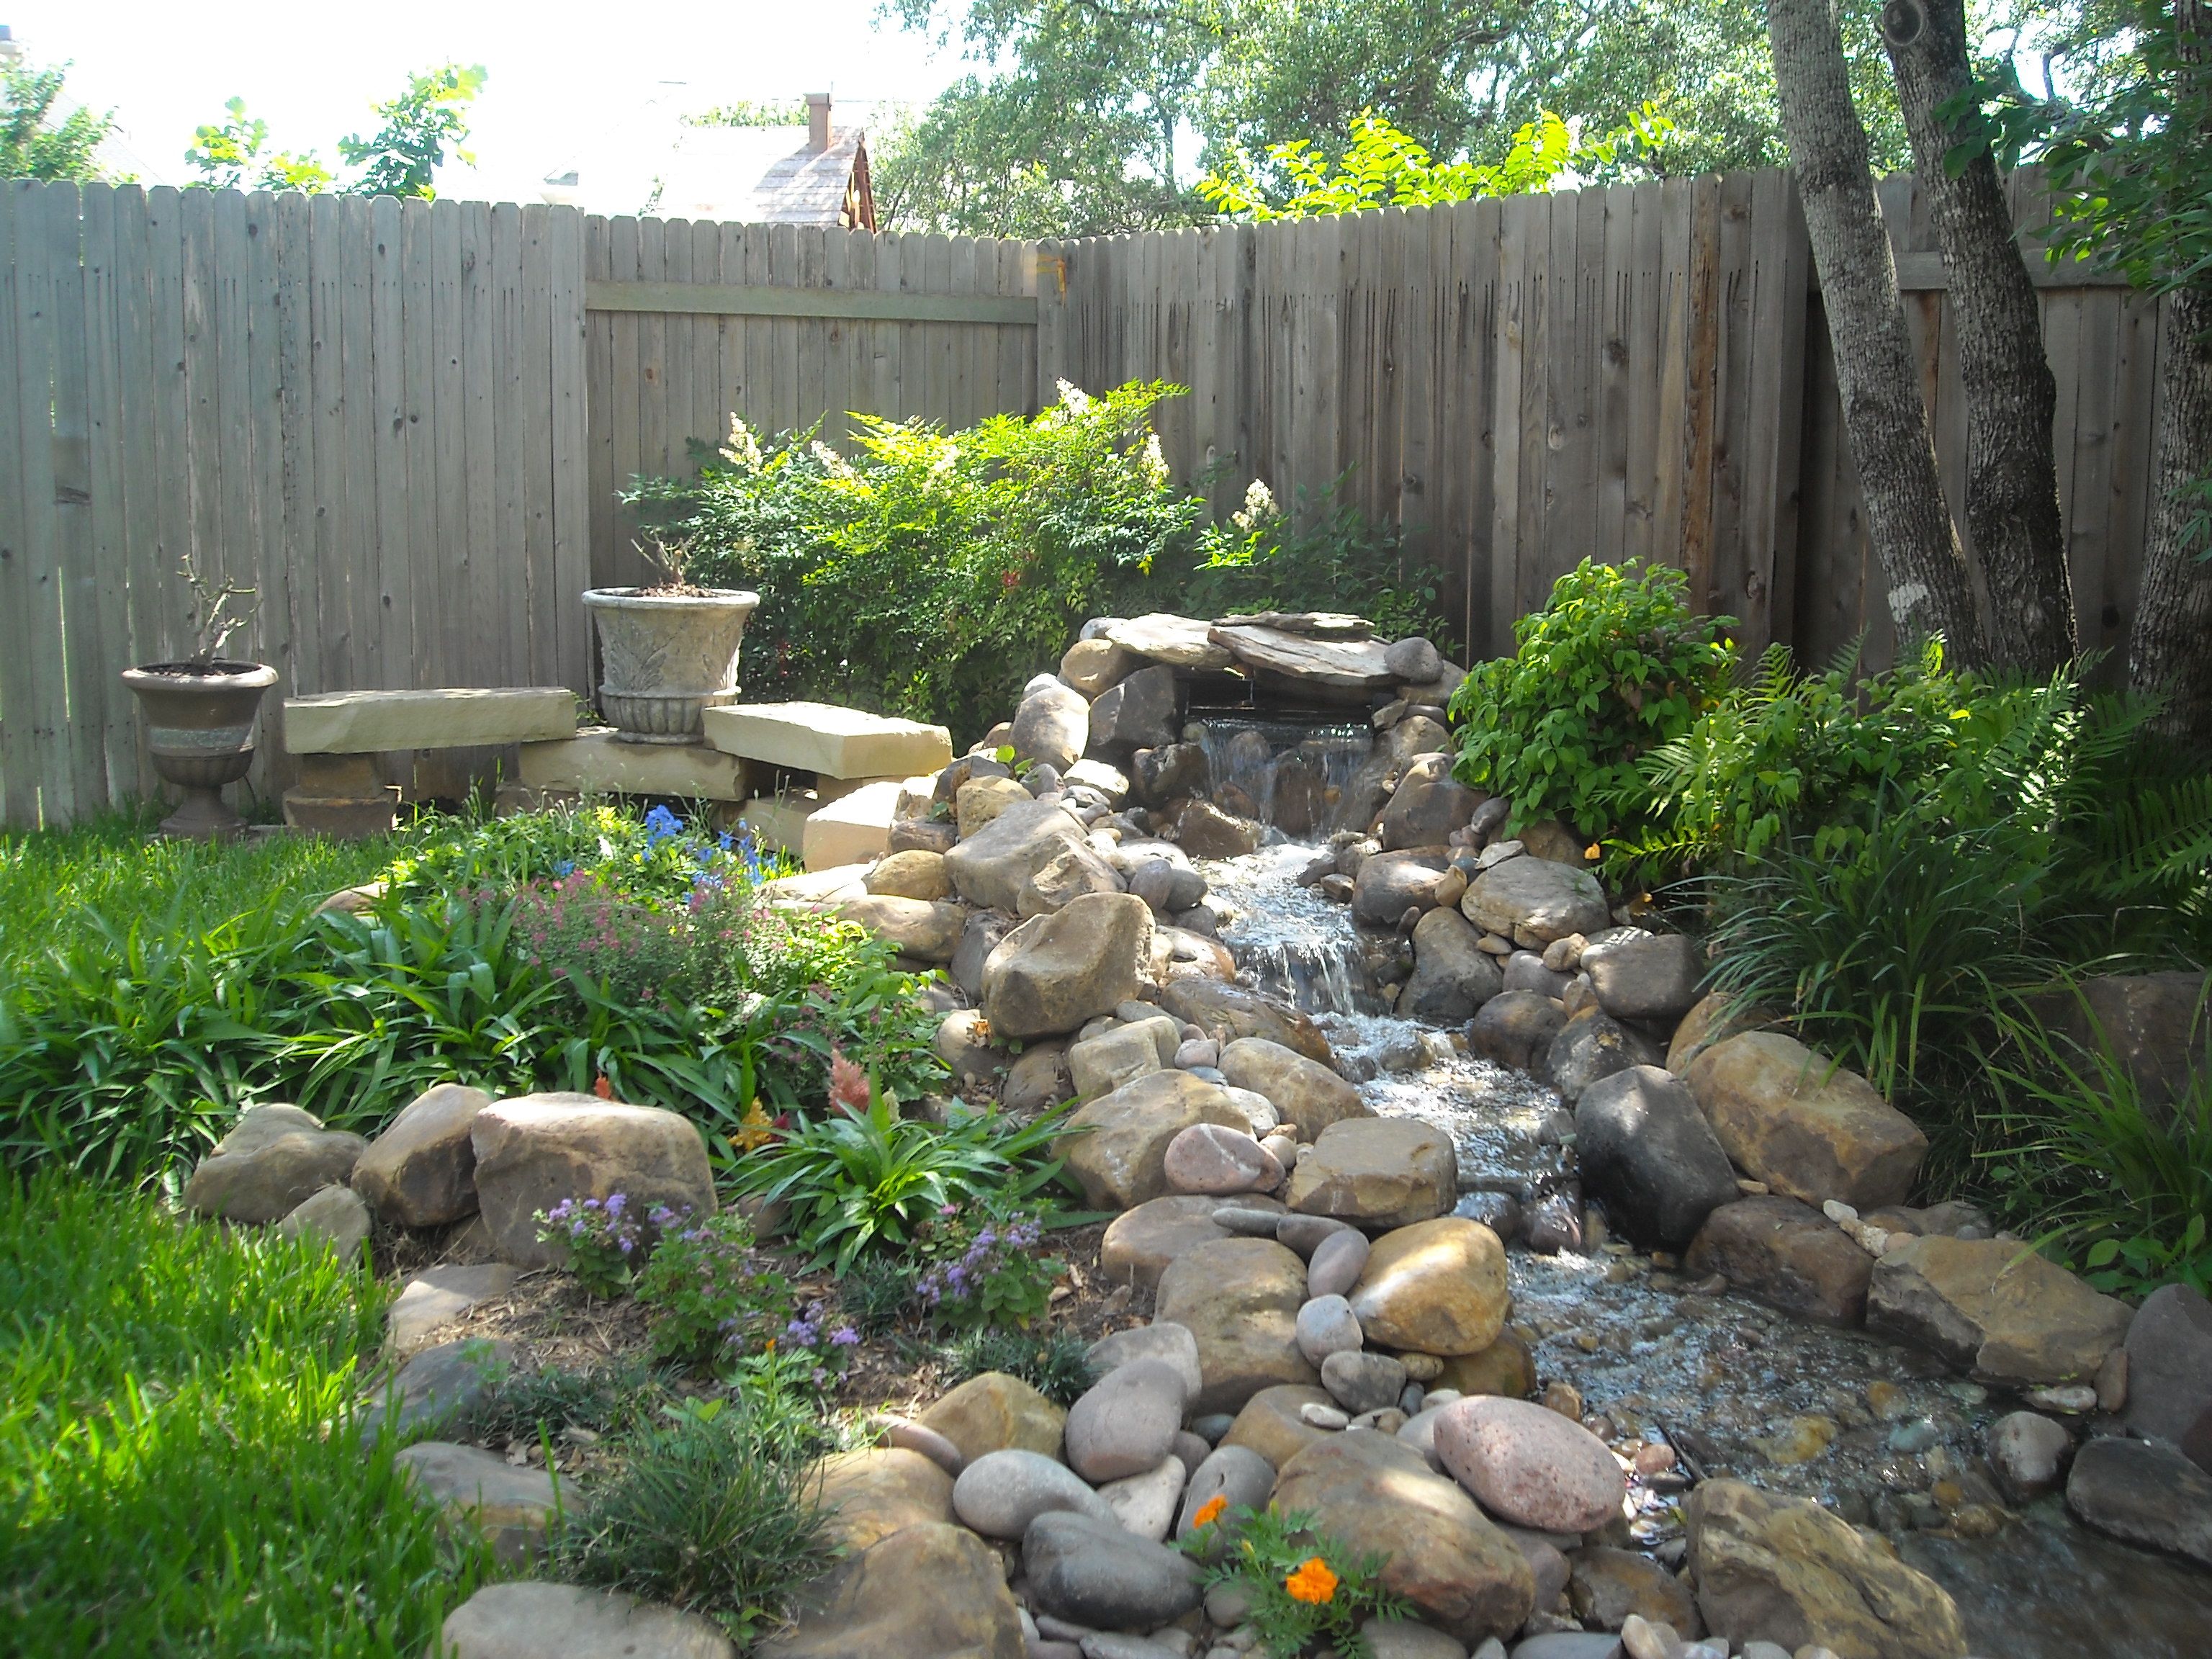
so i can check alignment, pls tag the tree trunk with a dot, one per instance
(1907, 516)
(2011, 485)
(2170, 646)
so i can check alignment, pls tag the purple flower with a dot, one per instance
(846, 1337)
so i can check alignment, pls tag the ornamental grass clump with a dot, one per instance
(1304, 1587)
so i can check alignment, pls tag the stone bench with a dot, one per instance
(337, 734)
(857, 761)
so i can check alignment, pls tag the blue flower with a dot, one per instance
(662, 825)
(724, 841)
(566, 867)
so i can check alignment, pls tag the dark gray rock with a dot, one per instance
(1426, 807)
(438, 1386)
(979, 937)
(1525, 971)
(1363, 1382)
(1499, 1212)
(1388, 883)
(1093, 1573)
(1517, 1029)
(1592, 1046)
(1452, 977)
(1787, 1255)
(1655, 979)
(1159, 774)
(1413, 660)
(2143, 1493)
(1647, 1151)
(1235, 1472)
(2028, 1453)
(1140, 712)
(2170, 1370)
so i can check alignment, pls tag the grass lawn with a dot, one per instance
(179, 1468)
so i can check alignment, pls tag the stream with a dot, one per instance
(1865, 1426)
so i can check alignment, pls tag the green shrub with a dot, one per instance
(1055, 1363)
(859, 1177)
(715, 1513)
(156, 1012)
(930, 573)
(182, 1470)
(984, 1266)
(707, 1289)
(1614, 665)
(2121, 1191)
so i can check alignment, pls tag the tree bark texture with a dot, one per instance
(1907, 518)
(2170, 644)
(2012, 483)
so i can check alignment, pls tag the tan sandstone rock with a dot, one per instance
(1804, 1125)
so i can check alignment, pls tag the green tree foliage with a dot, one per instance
(1386, 168)
(1089, 116)
(403, 157)
(751, 112)
(33, 143)
(233, 154)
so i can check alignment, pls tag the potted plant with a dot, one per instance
(667, 653)
(200, 712)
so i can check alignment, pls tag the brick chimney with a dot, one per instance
(817, 121)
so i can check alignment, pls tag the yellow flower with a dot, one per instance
(754, 1129)
(1313, 1582)
(1210, 1510)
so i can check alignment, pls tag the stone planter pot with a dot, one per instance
(664, 658)
(199, 727)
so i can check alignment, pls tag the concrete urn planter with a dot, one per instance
(199, 720)
(665, 658)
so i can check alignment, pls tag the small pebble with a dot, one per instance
(1918, 1436)
(1323, 1417)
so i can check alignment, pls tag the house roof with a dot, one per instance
(754, 175)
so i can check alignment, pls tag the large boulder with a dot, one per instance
(1239, 1299)
(1098, 1575)
(1517, 1029)
(1376, 1495)
(995, 1411)
(273, 1159)
(1001, 1492)
(1453, 976)
(1390, 884)
(1054, 972)
(978, 804)
(2170, 1370)
(1786, 1571)
(535, 1151)
(1590, 1046)
(1052, 726)
(913, 873)
(1717, 1017)
(1077, 871)
(1528, 1465)
(1178, 642)
(1645, 1148)
(1206, 832)
(1169, 773)
(870, 1494)
(511, 1506)
(1434, 1288)
(1787, 1255)
(1533, 901)
(1139, 1243)
(2156, 1027)
(1995, 1306)
(1652, 978)
(1377, 1172)
(1428, 805)
(1233, 1011)
(1093, 664)
(525, 1617)
(1125, 1423)
(927, 930)
(1116, 1146)
(927, 1591)
(421, 1170)
(2145, 1494)
(1803, 1124)
(1135, 713)
(334, 1217)
(989, 867)
(1304, 1092)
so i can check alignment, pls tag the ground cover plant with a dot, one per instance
(181, 1469)
(927, 573)
(150, 990)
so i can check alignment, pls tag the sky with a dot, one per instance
(569, 85)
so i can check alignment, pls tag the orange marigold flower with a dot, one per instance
(1210, 1510)
(1313, 1582)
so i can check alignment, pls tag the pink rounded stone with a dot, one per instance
(1210, 1157)
(1529, 1465)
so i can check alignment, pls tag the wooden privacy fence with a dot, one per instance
(406, 424)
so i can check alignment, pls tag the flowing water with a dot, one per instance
(1860, 1424)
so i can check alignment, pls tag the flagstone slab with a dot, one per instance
(447, 717)
(825, 739)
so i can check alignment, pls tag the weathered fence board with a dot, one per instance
(350, 406)
(407, 424)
